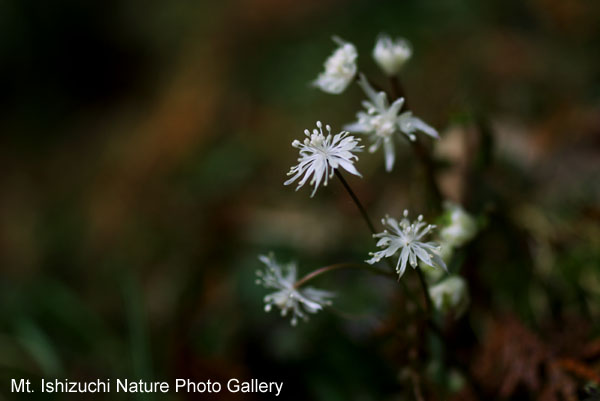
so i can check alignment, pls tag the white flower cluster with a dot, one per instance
(340, 69)
(450, 294)
(391, 55)
(287, 297)
(462, 226)
(382, 120)
(408, 238)
(320, 155)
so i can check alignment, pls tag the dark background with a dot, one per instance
(143, 149)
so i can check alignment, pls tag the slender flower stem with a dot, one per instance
(373, 270)
(339, 266)
(409, 294)
(398, 90)
(423, 154)
(359, 205)
(367, 219)
(373, 84)
(425, 290)
(426, 160)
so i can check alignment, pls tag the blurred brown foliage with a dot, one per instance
(514, 360)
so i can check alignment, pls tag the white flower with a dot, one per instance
(391, 55)
(288, 298)
(340, 68)
(381, 121)
(462, 227)
(320, 155)
(450, 294)
(407, 237)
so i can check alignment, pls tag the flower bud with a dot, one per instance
(450, 294)
(340, 69)
(461, 228)
(391, 55)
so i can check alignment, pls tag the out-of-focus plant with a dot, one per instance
(442, 254)
(387, 121)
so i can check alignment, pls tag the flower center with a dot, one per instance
(317, 141)
(384, 127)
(339, 64)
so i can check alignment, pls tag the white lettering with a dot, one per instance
(279, 387)
(18, 388)
(233, 385)
(190, 386)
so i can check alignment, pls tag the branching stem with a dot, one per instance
(339, 266)
(367, 220)
(359, 205)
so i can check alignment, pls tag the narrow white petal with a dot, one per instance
(420, 125)
(357, 127)
(390, 155)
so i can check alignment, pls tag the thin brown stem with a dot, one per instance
(429, 307)
(422, 152)
(367, 219)
(339, 266)
(397, 90)
(410, 294)
(359, 205)
(373, 84)
(424, 156)
(416, 386)
(425, 291)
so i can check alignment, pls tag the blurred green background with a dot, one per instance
(143, 150)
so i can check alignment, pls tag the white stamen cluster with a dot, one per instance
(391, 55)
(407, 237)
(320, 155)
(381, 121)
(340, 69)
(288, 298)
